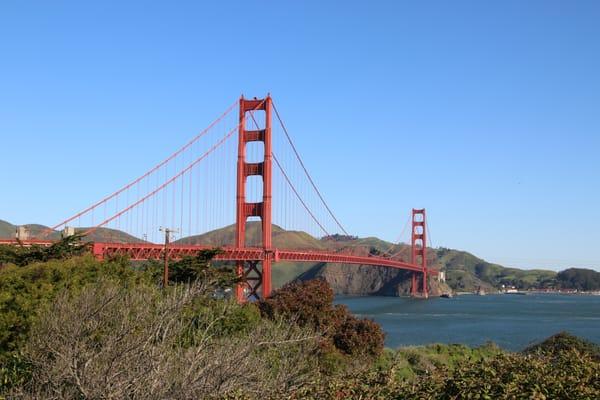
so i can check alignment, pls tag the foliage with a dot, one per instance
(564, 341)
(466, 272)
(114, 341)
(374, 251)
(336, 237)
(189, 269)
(567, 375)
(81, 328)
(310, 303)
(579, 278)
(412, 361)
(359, 336)
(14, 370)
(23, 290)
(22, 255)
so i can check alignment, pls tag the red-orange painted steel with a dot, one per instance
(419, 248)
(146, 251)
(263, 209)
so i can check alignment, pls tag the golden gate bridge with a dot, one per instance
(207, 184)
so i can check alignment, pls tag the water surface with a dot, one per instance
(511, 321)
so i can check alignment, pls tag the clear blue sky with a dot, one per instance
(486, 114)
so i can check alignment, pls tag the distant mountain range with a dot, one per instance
(464, 271)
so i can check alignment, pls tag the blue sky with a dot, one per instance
(485, 114)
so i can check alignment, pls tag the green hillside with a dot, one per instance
(464, 271)
(109, 235)
(281, 238)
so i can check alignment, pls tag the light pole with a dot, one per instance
(167, 232)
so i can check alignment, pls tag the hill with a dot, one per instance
(579, 279)
(464, 271)
(7, 231)
(281, 238)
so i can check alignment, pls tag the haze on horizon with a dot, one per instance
(485, 114)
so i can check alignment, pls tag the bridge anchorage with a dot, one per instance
(176, 192)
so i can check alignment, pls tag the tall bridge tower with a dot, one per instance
(254, 277)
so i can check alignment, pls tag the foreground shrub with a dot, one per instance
(359, 336)
(23, 290)
(111, 341)
(310, 304)
(564, 341)
(566, 375)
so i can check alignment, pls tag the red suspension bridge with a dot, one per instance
(199, 189)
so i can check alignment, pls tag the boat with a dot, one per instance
(480, 291)
(446, 295)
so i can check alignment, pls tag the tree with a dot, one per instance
(200, 267)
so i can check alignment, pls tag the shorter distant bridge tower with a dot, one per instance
(419, 251)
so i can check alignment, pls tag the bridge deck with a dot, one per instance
(137, 251)
(147, 251)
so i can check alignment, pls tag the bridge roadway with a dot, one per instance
(146, 251)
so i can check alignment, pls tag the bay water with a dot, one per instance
(511, 321)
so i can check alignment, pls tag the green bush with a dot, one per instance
(568, 375)
(564, 341)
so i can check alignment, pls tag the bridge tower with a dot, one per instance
(253, 276)
(419, 249)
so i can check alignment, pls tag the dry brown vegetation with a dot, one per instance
(110, 342)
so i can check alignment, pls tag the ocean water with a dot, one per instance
(511, 321)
